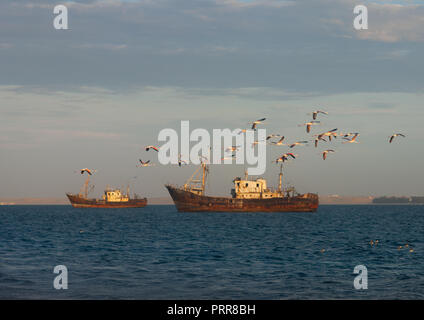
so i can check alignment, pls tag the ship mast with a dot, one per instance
(280, 184)
(196, 183)
(84, 189)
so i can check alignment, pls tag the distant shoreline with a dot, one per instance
(324, 200)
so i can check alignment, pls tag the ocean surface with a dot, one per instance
(157, 253)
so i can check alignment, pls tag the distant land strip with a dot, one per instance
(324, 199)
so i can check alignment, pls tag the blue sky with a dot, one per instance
(93, 95)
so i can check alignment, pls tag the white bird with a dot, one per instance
(315, 113)
(144, 163)
(272, 136)
(395, 135)
(290, 154)
(151, 147)
(298, 143)
(327, 134)
(255, 123)
(324, 154)
(90, 172)
(346, 135)
(353, 140)
(279, 142)
(285, 157)
(308, 125)
(317, 140)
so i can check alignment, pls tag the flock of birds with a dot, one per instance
(276, 140)
(350, 137)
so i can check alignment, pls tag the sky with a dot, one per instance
(95, 94)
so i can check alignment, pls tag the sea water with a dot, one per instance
(158, 253)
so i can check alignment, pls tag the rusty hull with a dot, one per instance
(80, 202)
(187, 201)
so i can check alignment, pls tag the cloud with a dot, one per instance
(394, 23)
(301, 46)
(105, 46)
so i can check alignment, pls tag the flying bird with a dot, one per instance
(297, 143)
(279, 142)
(309, 124)
(315, 113)
(281, 159)
(290, 154)
(272, 136)
(87, 170)
(324, 154)
(317, 140)
(285, 157)
(352, 140)
(328, 134)
(255, 123)
(395, 135)
(346, 135)
(144, 163)
(151, 147)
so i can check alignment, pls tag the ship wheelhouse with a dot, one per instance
(253, 189)
(115, 196)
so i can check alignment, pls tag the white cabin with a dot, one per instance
(115, 196)
(253, 189)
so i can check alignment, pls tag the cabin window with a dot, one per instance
(257, 185)
(246, 185)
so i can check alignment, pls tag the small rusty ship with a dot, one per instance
(112, 198)
(247, 196)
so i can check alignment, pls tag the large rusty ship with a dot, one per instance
(112, 198)
(247, 196)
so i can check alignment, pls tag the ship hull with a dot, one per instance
(186, 201)
(80, 202)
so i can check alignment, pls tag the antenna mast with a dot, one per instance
(196, 183)
(280, 185)
(84, 189)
